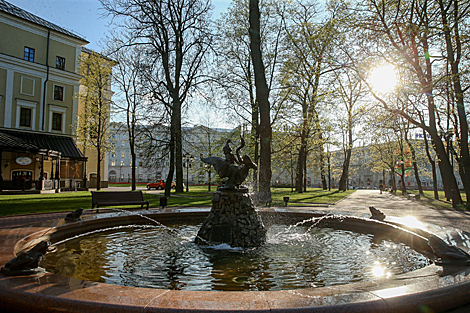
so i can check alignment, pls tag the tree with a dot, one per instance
(95, 99)
(410, 32)
(262, 97)
(308, 42)
(233, 75)
(176, 36)
(131, 95)
(351, 93)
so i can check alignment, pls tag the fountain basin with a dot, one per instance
(437, 288)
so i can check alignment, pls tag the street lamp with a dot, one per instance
(187, 160)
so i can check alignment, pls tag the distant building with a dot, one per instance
(152, 164)
(38, 108)
(363, 173)
(119, 161)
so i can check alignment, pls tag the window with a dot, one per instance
(56, 121)
(122, 154)
(60, 63)
(29, 54)
(58, 93)
(113, 163)
(25, 114)
(122, 163)
(113, 155)
(130, 163)
(57, 116)
(140, 163)
(25, 117)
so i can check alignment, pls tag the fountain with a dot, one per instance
(233, 219)
(437, 287)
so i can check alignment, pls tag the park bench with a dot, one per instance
(117, 198)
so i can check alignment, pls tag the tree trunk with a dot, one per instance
(176, 121)
(403, 186)
(454, 56)
(322, 171)
(447, 173)
(133, 170)
(299, 175)
(98, 169)
(345, 174)
(169, 177)
(433, 166)
(392, 178)
(415, 166)
(262, 95)
(305, 171)
(254, 128)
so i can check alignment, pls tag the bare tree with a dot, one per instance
(131, 96)
(176, 35)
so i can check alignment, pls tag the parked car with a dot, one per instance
(159, 184)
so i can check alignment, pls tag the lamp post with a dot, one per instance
(187, 160)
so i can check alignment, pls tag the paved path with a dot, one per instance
(392, 205)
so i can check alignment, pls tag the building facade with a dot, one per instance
(119, 160)
(38, 108)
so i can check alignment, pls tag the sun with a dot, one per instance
(383, 79)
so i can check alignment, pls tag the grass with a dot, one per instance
(198, 196)
(70, 201)
(312, 196)
(429, 200)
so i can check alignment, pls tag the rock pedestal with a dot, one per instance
(232, 220)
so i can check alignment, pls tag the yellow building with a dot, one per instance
(39, 81)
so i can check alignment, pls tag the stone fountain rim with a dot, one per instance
(427, 286)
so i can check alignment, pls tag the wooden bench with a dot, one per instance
(115, 198)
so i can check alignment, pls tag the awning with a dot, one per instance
(11, 140)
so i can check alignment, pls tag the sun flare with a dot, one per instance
(383, 79)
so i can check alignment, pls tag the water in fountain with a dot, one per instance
(293, 257)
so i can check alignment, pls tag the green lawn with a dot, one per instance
(312, 196)
(196, 197)
(441, 203)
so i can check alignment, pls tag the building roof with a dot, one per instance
(39, 143)
(25, 15)
(10, 142)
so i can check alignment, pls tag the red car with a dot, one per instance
(159, 184)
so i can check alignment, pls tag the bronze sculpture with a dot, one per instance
(234, 168)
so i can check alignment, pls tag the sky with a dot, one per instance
(83, 17)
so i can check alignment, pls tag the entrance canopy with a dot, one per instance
(45, 144)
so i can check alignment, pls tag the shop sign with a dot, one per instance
(23, 160)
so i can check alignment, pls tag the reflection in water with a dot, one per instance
(156, 258)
